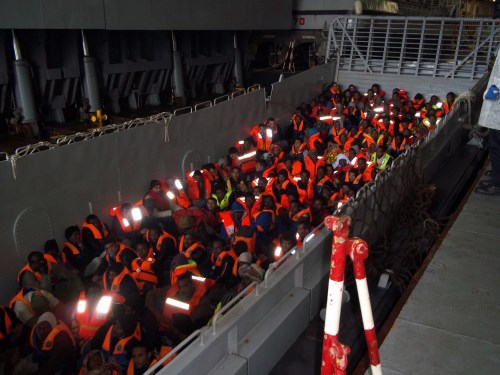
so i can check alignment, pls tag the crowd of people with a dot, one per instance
(114, 299)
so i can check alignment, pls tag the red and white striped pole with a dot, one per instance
(334, 356)
(358, 253)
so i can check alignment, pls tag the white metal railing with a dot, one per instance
(418, 46)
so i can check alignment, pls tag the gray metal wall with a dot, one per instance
(57, 188)
(289, 93)
(146, 14)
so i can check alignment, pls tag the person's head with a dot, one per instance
(326, 192)
(114, 269)
(197, 176)
(142, 249)
(37, 262)
(189, 239)
(450, 97)
(297, 142)
(154, 234)
(111, 246)
(294, 207)
(346, 188)
(398, 139)
(262, 183)
(218, 246)
(362, 164)
(372, 148)
(329, 170)
(319, 203)
(282, 175)
(262, 130)
(211, 204)
(250, 200)
(93, 293)
(320, 172)
(236, 173)
(126, 210)
(185, 287)
(352, 174)
(303, 228)
(44, 325)
(155, 185)
(72, 234)
(276, 150)
(304, 175)
(232, 152)
(51, 247)
(220, 192)
(380, 151)
(288, 161)
(352, 153)
(268, 202)
(93, 220)
(287, 241)
(141, 355)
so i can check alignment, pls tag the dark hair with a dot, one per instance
(70, 230)
(51, 245)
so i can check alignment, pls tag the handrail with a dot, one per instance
(230, 304)
(175, 350)
(202, 105)
(237, 93)
(253, 87)
(220, 99)
(183, 110)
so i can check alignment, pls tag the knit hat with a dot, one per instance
(47, 317)
(245, 258)
(154, 183)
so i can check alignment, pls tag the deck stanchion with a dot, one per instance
(334, 356)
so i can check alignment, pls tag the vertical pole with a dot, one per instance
(90, 81)
(23, 88)
(334, 357)
(178, 76)
(358, 254)
(238, 70)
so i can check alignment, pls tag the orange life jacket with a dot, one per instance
(120, 345)
(74, 250)
(142, 272)
(7, 324)
(162, 238)
(125, 224)
(48, 343)
(401, 147)
(228, 253)
(191, 267)
(201, 287)
(95, 231)
(301, 214)
(194, 192)
(19, 297)
(89, 321)
(189, 251)
(38, 275)
(297, 127)
(115, 284)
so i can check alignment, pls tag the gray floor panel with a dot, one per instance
(450, 323)
(415, 349)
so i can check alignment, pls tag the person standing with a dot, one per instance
(489, 119)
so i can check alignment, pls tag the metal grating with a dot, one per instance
(415, 46)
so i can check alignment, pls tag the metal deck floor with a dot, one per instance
(451, 322)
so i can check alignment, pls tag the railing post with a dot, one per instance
(334, 358)
(358, 254)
